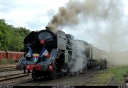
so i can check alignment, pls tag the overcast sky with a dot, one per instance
(32, 14)
(35, 15)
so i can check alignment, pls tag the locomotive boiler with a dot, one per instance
(49, 55)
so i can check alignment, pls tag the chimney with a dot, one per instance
(47, 28)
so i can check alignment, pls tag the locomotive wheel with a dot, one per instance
(67, 72)
(105, 64)
(77, 73)
(101, 67)
(52, 74)
(101, 64)
(61, 74)
(34, 75)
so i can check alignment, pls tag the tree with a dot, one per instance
(4, 36)
(12, 38)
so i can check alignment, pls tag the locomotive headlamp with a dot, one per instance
(42, 41)
(47, 55)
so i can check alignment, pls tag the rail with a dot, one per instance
(98, 80)
(12, 76)
(7, 68)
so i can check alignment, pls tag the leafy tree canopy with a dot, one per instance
(12, 38)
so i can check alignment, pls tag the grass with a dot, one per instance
(118, 72)
(4, 61)
(101, 80)
(11, 61)
(7, 61)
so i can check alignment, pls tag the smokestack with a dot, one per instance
(51, 28)
(47, 28)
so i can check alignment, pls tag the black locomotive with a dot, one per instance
(49, 55)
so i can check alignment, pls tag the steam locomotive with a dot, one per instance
(49, 54)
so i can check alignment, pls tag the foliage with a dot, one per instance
(118, 72)
(7, 61)
(11, 61)
(4, 61)
(12, 38)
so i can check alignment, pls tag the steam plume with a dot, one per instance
(79, 56)
(69, 15)
(100, 22)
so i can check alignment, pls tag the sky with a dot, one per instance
(32, 14)
(35, 15)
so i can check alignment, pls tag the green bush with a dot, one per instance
(11, 61)
(4, 61)
(7, 61)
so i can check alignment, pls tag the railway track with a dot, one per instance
(90, 77)
(28, 83)
(107, 84)
(100, 79)
(64, 81)
(12, 76)
(14, 79)
(7, 68)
